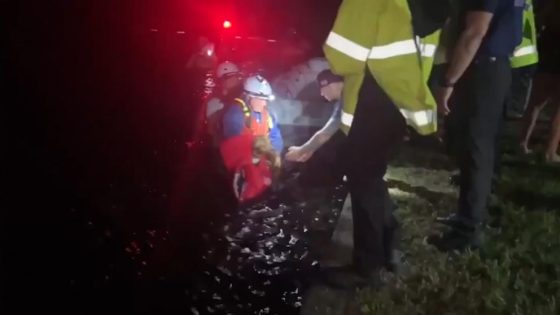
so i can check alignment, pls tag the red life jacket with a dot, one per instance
(250, 178)
(256, 178)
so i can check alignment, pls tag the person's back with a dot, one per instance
(504, 32)
(383, 59)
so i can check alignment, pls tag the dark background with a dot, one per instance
(99, 112)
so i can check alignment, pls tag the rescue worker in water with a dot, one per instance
(252, 141)
(229, 86)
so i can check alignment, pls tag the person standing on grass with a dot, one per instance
(384, 52)
(524, 64)
(547, 84)
(472, 94)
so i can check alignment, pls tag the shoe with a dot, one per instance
(456, 240)
(455, 221)
(348, 277)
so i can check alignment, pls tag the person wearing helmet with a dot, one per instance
(252, 141)
(229, 86)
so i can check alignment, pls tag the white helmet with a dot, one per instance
(257, 86)
(226, 68)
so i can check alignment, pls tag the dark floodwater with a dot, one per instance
(120, 208)
(165, 236)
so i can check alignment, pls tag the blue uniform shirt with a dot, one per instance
(234, 123)
(506, 27)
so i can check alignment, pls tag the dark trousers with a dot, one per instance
(378, 128)
(474, 125)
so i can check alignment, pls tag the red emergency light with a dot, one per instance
(227, 24)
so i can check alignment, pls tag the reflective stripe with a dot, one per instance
(246, 110)
(524, 51)
(428, 50)
(419, 118)
(346, 119)
(416, 118)
(361, 53)
(347, 47)
(404, 47)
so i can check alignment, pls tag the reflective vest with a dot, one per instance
(428, 52)
(526, 53)
(252, 126)
(378, 36)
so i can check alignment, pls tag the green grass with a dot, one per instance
(516, 272)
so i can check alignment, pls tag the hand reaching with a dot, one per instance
(299, 154)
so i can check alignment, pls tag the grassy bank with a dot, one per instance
(516, 272)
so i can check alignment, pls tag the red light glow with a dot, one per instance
(227, 24)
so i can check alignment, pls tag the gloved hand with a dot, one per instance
(299, 154)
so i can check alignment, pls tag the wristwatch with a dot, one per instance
(443, 82)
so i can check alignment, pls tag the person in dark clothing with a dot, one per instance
(524, 64)
(547, 84)
(365, 169)
(384, 51)
(472, 93)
